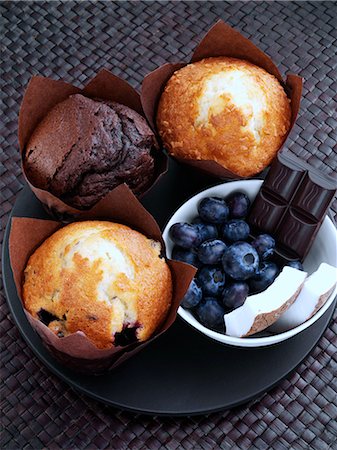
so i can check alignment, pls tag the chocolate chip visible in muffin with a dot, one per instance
(84, 148)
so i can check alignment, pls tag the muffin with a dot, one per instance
(83, 148)
(224, 110)
(101, 278)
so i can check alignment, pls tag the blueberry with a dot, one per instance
(198, 220)
(264, 277)
(206, 230)
(238, 204)
(235, 294)
(264, 245)
(211, 313)
(210, 252)
(185, 255)
(235, 230)
(213, 210)
(46, 317)
(193, 296)
(296, 265)
(211, 280)
(185, 235)
(240, 261)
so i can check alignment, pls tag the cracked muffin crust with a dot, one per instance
(84, 148)
(225, 110)
(101, 278)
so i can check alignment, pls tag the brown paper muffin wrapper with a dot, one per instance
(42, 94)
(76, 350)
(220, 40)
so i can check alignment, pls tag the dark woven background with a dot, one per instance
(72, 41)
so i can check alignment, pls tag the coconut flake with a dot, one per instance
(316, 290)
(261, 310)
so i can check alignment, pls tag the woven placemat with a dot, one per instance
(71, 40)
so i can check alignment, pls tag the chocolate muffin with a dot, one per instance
(84, 148)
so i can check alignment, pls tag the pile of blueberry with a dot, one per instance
(230, 264)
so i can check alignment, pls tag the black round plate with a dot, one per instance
(182, 372)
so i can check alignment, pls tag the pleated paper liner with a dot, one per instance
(76, 350)
(221, 40)
(42, 94)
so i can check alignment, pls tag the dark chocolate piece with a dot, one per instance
(291, 205)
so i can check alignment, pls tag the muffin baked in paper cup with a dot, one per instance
(220, 40)
(42, 94)
(76, 350)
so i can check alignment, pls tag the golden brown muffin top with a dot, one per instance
(101, 278)
(226, 110)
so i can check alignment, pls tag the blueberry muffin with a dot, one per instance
(84, 148)
(101, 278)
(224, 110)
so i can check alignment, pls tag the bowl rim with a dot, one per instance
(245, 341)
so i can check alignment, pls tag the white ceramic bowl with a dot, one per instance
(322, 250)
